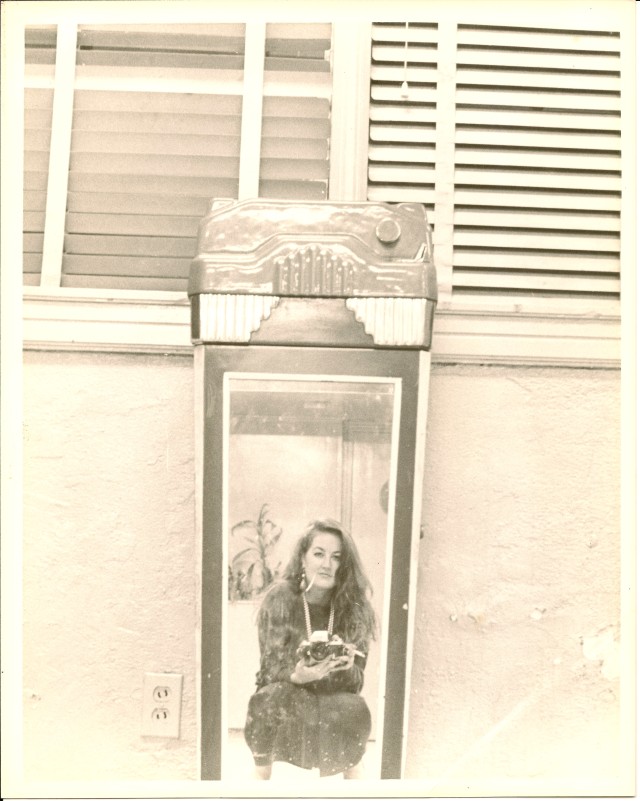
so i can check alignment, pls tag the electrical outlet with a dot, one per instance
(161, 704)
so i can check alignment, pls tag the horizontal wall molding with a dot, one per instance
(460, 336)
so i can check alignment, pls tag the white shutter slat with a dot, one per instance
(536, 260)
(539, 118)
(421, 33)
(542, 60)
(388, 193)
(556, 140)
(538, 159)
(416, 55)
(521, 38)
(549, 179)
(514, 218)
(396, 73)
(535, 99)
(407, 155)
(418, 94)
(536, 240)
(540, 282)
(390, 173)
(402, 133)
(535, 79)
(403, 113)
(560, 200)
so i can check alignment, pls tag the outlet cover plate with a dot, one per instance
(161, 704)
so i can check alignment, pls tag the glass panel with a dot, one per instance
(299, 450)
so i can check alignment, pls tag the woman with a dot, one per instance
(307, 709)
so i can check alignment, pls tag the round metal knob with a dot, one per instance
(388, 231)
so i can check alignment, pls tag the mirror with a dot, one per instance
(298, 448)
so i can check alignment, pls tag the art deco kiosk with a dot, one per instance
(312, 327)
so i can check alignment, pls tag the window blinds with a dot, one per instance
(40, 46)
(294, 157)
(532, 133)
(156, 134)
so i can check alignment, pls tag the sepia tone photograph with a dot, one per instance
(318, 410)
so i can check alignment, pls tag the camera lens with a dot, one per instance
(318, 650)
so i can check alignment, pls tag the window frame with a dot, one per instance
(487, 331)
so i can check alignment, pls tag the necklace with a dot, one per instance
(307, 617)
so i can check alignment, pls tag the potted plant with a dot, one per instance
(252, 568)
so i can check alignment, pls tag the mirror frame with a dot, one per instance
(213, 362)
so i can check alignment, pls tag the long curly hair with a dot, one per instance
(355, 619)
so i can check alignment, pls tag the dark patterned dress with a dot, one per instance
(323, 724)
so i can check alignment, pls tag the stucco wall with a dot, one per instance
(515, 671)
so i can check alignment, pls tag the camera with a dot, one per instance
(315, 650)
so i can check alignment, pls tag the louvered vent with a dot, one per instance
(40, 49)
(402, 131)
(156, 135)
(537, 182)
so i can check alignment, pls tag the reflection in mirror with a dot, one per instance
(304, 669)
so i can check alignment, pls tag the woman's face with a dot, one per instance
(322, 560)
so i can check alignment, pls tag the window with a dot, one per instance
(512, 134)
(156, 117)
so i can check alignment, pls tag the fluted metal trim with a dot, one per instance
(233, 318)
(314, 270)
(392, 321)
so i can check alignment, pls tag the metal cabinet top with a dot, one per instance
(314, 249)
